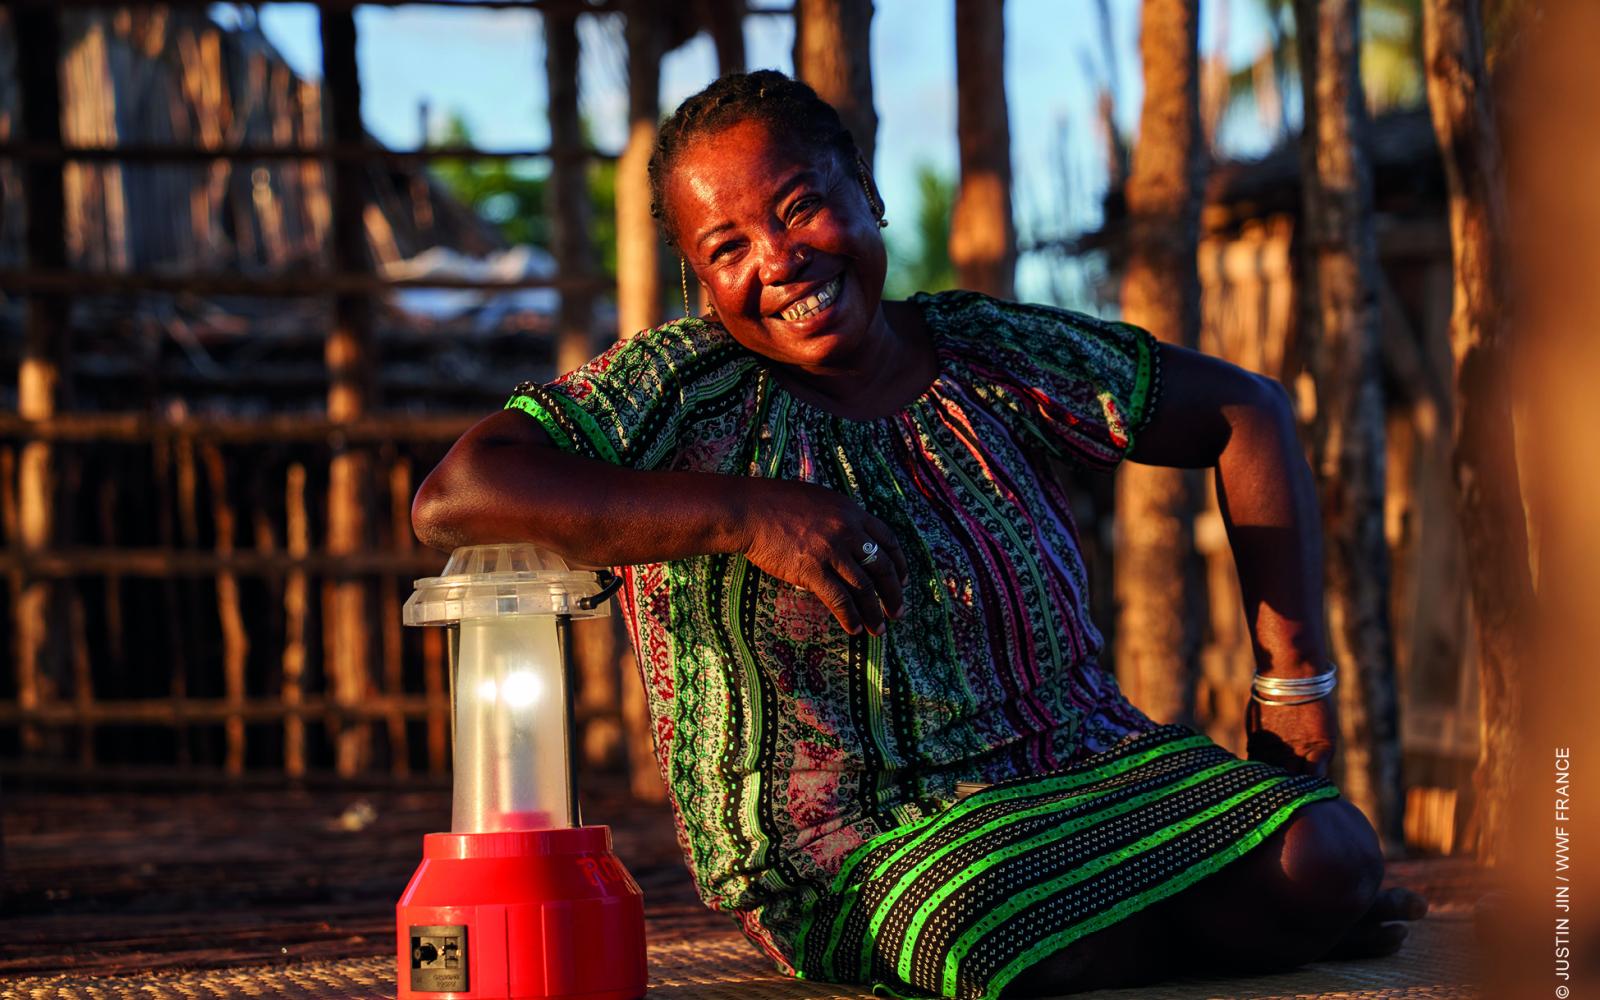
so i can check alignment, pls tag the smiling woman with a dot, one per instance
(853, 584)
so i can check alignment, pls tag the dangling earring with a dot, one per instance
(683, 279)
(866, 186)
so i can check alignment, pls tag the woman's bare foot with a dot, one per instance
(1382, 929)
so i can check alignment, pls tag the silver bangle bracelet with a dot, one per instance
(1294, 690)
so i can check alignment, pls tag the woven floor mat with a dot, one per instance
(1435, 964)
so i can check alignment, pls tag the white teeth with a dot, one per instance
(813, 303)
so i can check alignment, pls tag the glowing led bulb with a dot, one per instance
(521, 688)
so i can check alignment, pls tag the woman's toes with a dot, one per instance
(1396, 903)
(1369, 940)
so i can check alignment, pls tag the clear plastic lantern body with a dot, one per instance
(510, 725)
(506, 607)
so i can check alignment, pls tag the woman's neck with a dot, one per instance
(896, 367)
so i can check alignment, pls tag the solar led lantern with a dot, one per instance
(519, 899)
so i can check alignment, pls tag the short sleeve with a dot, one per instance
(1081, 388)
(630, 405)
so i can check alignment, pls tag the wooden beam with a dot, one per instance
(282, 428)
(57, 280)
(139, 152)
(349, 359)
(586, 6)
(189, 711)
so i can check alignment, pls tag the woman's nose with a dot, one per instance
(783, 262)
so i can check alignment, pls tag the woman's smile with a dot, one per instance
(814, 305)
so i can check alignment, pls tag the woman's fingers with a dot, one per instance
(863, 592)
(833, 592)
(889, 545)
(888, 571)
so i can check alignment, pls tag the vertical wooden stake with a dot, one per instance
(235, 643)
(44, 340)
(347, 355)
(393, 644)
(297, 541)
(82, 680)
(172, 593)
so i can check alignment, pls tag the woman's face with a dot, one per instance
(784, 242)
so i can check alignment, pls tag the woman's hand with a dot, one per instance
(812, 537)
(1298, 738)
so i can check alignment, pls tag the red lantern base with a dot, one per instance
(521, 914)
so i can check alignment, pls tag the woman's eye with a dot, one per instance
(804, 206)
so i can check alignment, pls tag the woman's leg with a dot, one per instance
(1287, 901)
(1131, 952)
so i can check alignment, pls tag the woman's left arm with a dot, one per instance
(1215, 414)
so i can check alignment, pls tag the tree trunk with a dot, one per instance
(1341, 326)
(724, 20)
(833, 53)
(348, 356)
(1489, 501)
(639, 308)
(594, 643)
(638, 241)
(1159, 578)
(567, 195)
(983, 239)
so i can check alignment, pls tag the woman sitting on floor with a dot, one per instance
(852, 583)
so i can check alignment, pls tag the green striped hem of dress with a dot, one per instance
(960, 903)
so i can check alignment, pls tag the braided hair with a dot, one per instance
(786, 107)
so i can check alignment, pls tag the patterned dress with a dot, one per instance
(813, 773)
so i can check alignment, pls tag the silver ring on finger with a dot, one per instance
(869, 553)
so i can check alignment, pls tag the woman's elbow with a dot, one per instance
(1272, 400)
(430, 514)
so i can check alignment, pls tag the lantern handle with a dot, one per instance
(610, 583)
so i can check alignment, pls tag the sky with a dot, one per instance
(487, 67)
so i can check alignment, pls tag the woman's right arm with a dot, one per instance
(505, 481)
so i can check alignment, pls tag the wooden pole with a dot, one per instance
(638, 241)
(567, 196)
(391, 600)
(724, 21)
(297, 541)
(983, 238)
(570, 211)
(348, 357)
(1340, 316)
(1488, 498)
(45, 331)
(173, 590)
(235, 642)
(1158, 577)
(833, 53)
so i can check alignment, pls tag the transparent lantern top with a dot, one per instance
(508, 681)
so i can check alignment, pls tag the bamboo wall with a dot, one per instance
(217, 419)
